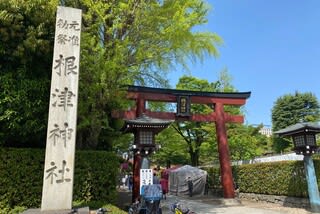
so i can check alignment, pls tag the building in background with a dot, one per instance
(266, 130)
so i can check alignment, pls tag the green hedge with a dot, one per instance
(21, 174)
(273, 178)
(276, 178)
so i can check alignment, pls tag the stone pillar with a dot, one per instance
(311, 178)
(61, 133)
(223, 148)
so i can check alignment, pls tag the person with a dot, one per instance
(119, 181)
(206, 186)
(236, 189)
(190, 186)
(164, 186)
(130, 182)
(123, 181)
(155, 179)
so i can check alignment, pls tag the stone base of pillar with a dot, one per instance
(83, 210)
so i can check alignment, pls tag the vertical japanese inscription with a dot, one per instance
(53, 175)
(61, 134)
(65, 65)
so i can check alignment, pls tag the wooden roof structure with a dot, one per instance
(299, 128)
(142, 94)
(146, 122)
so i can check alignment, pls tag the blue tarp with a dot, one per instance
(151, 192)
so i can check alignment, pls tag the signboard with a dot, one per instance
(146, 177)
(61, 133)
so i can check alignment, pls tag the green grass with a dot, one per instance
(15, 210)
(94, 205)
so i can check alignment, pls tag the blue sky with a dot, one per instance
(271, 48)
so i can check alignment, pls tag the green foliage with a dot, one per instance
(94, 205)
(173, 149)
(21, 174)
(274, 178)
(245, 142)
(195, 133)
(214, 180)
(122, 42)
(195, 84)
(291, 109)
(224, 83)
(26, 32)
(20, 177)
(278, 178)
(15, 210)
(281, 144)
(26, 35)
(23, 110)
(133, 42)
(96, 175)
(294, 108)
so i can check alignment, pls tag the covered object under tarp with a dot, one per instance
(178, 180)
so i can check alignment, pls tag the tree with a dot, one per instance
(26, 41)
(173, 149)
(195, 133)
(133, 42)
(290, 109)
(245, 142)
(122, 42)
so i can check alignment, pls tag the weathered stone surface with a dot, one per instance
(282, 200)
(61, 133)
(83, 210)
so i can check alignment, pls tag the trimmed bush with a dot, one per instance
(21, 174)
(285, 178)
(96, 175)
(275, 178)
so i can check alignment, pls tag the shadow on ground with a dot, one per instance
(124, 199)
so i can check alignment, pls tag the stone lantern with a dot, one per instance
(304, 140)
(144, 129)
(303, 136)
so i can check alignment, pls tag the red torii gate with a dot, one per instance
(184, 98)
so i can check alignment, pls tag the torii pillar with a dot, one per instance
(223, 148)
(140, 108)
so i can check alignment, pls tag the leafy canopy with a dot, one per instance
(290, 109)
(26, 41)
(199, 138)
(134, 42)
(122, 42)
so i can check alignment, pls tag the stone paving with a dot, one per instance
(207, 205)
(212, 205)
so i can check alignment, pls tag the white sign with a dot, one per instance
(61, 133)
(146, 177)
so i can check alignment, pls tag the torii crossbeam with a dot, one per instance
(184, 99)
